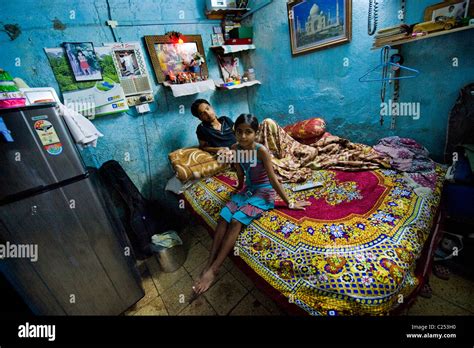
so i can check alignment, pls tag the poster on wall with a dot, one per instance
(319, 24)
(130, 65)
(90, 98)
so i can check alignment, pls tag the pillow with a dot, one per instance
(310, 141)
(193, 163)
(307, 129)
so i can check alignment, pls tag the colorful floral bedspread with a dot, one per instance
(352, 252)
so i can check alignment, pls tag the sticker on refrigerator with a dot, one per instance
(48, 137)
(54, 149)
(46, 132)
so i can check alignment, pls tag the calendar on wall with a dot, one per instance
(90, 98)
(130, 65)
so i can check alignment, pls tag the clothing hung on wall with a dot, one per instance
(460, 122)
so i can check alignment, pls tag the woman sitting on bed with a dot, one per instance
(251, 199)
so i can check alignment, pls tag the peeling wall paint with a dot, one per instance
(12, 30)
(58, 25)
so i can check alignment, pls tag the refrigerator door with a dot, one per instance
(83, 265)
(41, 154)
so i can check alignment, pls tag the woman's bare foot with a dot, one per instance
(205, 281)
(196, 282)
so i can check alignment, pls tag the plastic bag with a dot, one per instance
(165, 240)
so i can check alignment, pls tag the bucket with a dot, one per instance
(169, 251)
(170, 259)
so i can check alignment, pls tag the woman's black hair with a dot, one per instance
(248, 119)
(195, 106)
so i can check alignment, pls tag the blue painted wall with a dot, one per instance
(166, 129)
(316, 83)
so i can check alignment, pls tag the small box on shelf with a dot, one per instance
(238, 41)
(241, 33)
(222, 13)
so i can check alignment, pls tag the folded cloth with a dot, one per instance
(10, 95)
(420, 184)
(405, 154)
(83, 131)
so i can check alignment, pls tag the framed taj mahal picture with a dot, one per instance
(319, 24)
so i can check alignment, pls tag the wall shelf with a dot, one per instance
(219, 84)
(418, 38)
(220, 14)
(190, 88)
(225, 49)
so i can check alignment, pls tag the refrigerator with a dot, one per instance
(62, 250)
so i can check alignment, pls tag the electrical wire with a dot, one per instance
(109, 13)
(147, 148)
(148, 156)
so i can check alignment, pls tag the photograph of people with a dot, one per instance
(83, 61)
(85, 67)
(128, 63)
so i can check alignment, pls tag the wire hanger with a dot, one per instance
(384, 64)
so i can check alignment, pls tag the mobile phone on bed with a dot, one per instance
(306, 186)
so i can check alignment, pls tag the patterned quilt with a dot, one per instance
(352, 252)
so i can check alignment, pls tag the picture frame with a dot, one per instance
(83, 61)
(130, 65)
(448, 8)
(229, 66)
(167, 56)
(217, 39)
(318, 24)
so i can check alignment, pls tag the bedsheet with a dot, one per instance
(352, 252)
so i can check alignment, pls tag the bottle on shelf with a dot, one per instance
(250, 74)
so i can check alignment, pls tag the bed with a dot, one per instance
(361, 248)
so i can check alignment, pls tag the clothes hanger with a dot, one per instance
(384, 64)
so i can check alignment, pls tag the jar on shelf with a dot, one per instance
(250, 74)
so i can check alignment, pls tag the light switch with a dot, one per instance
(142, 108)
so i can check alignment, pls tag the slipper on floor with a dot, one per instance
(441, 271)
(426, 291)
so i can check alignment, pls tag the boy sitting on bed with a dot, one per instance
(213, 133)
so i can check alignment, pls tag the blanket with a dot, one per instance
(407, 156)
(293, 161)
